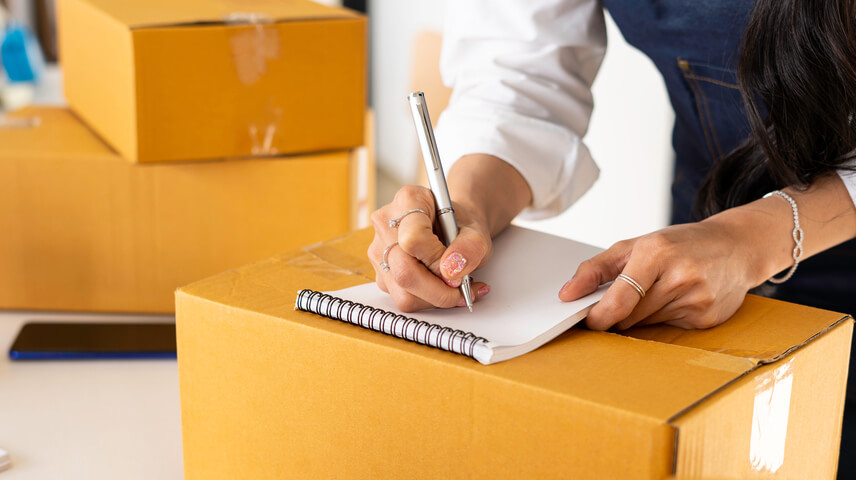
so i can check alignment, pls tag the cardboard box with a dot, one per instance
(269, 392)
(83, 229)
(166, 81)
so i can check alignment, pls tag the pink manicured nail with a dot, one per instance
(454, 264)
(484, 290)
(454, 283)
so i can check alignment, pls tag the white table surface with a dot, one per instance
(88, 419)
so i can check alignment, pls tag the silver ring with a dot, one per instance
(633, 283)
(384, 264)
(395, 222)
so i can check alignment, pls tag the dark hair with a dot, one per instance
(798, 59)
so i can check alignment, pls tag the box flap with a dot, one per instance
(156, 13)
(767, 331)
(648, 378)
(44, 131)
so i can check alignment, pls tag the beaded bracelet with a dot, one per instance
(797, 234)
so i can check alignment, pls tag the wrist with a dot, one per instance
(491, 189)
(760, 233)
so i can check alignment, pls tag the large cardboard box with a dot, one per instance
(165, 80)
(83, 229)
(269, 392)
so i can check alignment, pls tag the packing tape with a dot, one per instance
(252, 49)
(770, 419)
(309, 261)
(20, 122)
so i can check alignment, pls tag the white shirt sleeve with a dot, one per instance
(849, 179)
(522, 72)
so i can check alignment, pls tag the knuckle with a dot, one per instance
(595, 321)
(707, 298)
(626, 244)
(378, 219)
(449, 299)
(480, 251)
(407, 304)
(409, 194)
(702, 306)
(403, 277)
(372, 252)
(403, 193)
(687, 274)
(704, 321)
(586, 266)
(610, 308)
(656, 244)
(410, 240)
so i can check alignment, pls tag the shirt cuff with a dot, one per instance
(554, 162)
(849, 179)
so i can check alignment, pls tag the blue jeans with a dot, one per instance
(695, 45)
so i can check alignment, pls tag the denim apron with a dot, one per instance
(695, 45)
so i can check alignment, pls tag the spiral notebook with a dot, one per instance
(521, 313)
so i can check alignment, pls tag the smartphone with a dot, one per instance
(61, 341)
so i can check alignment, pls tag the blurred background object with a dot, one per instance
(45, 27)
(28, 55)
(21, 54)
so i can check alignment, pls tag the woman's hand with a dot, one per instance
(487, 194)
(423, 273)
(694, 276)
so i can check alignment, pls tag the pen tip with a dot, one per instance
(470, 307)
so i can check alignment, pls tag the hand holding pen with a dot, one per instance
(447, 226)
(412, 262)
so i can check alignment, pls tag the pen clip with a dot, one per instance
(418, 104)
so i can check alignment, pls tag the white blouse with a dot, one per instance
(522, 74)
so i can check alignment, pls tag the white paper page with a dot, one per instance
(525, 273)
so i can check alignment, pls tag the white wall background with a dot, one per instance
(629, 135)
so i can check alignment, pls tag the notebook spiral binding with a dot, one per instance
(397, 325)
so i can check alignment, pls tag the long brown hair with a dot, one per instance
(797, 76)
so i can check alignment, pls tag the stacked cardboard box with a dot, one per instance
(201, 136)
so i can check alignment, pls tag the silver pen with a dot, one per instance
(437, 181)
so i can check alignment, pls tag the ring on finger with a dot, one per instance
(395, 222)
(633, 283)
(384, 264)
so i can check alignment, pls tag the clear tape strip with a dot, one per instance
(770, 419)
(20, 122)
(252, 49)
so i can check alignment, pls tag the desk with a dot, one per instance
(88, 419)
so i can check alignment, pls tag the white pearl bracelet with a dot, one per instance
(797, 234)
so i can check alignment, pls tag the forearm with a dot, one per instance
(763, 228)
(490, 188)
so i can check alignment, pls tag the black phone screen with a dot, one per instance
(55, 340)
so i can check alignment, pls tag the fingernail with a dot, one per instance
(454, 264)
(454, 283)
(484, 290)
(566, 285)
